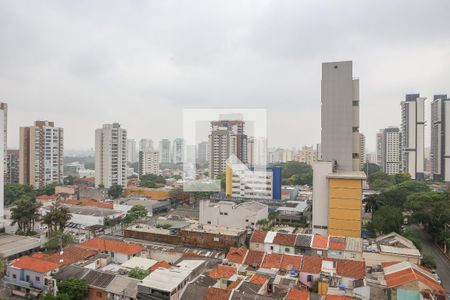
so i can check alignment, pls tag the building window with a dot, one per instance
(271, 248)
(37, 278)
(286, 249)
(246, 220)
(27, 278)
(309, 278)
(226, 214)
(209, 222)
(216, 239)
(221, 213)
(14, 276)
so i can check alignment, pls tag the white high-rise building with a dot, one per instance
(389, 150)
(164, 151)
(178, 151)
(145, 145)
(41, 154)
(110, 155)
(257, 152)
(340, 116)
(148, 162)
(132, 155)
(413, 135)
(3, 145)
(440, 138)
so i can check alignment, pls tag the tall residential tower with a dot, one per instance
(440, 138)
(413, 135)
(41, 154)
(110, 155)
(389, 150)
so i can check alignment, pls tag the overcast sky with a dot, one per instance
(140, 63)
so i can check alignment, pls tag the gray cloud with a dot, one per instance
(84, 63)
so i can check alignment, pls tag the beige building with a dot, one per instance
(148, 162)
(307, 155)
(110, 155)
(41, 154)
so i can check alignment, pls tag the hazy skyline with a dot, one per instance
(140, 63)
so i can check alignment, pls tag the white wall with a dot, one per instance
(320, 196)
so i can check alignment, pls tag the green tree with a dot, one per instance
(370, 168)
(396, 195)
(17, 191)
(135, 213)
(57, 217)
(25, 213)
(49, 189)
(59, 296)
(58, 240)
(401, 177)
(380, 181)
(138, 273)
(387, 219)
(115, 191)
(303, 172)
(223, 180)
(428, 261)
(373, 203)
(76, 289)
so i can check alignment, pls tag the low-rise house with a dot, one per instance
(336, 247)
(272, 261)
(32, 275)
(291, 262)
(285, 242)
(292, 211)
(237, 255)
(119, 251)
(229, 214)
(319, 245)
(29, 276)
(122, 288)
(297, 294)
(303, 244)
(198, 287)
(257, 240)
(310, 271)
(88, 215)
(353, 248)
(391, 248)
(254, 259)
(409, 276)
(169, 283)
(139, 262)
(13, 246)
(269, 245)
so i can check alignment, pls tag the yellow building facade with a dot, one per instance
(344, 206)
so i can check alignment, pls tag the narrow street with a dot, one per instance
(429, 248)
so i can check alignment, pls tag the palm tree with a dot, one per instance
(25, 214)
(57, 217)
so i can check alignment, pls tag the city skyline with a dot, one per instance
(195, 67)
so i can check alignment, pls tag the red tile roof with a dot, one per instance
(254, 258)
(312, 264)
(237, 255)
(89, 202)
(39, 255)
(258, 279)
(222, 271)
(320, 242)
(272, 260)
(336, 243)
(71, 255)
(46, 197)
(409, 274)
(258, 236)
(217, 294)
(297, 294)
(351, 268)
(34, 264)
(289, 262)
(285, 239)
(112, 246)
(160, 264)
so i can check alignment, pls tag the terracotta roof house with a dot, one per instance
(237, 255)
(257, 240)
(303, 244)
(286, 242)
(272, 260)
(160, 264)
(319, 242)
(120, 251)
(222, 271)
(254, 258)
(291, 262)
(409, 276)
(297, 294)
